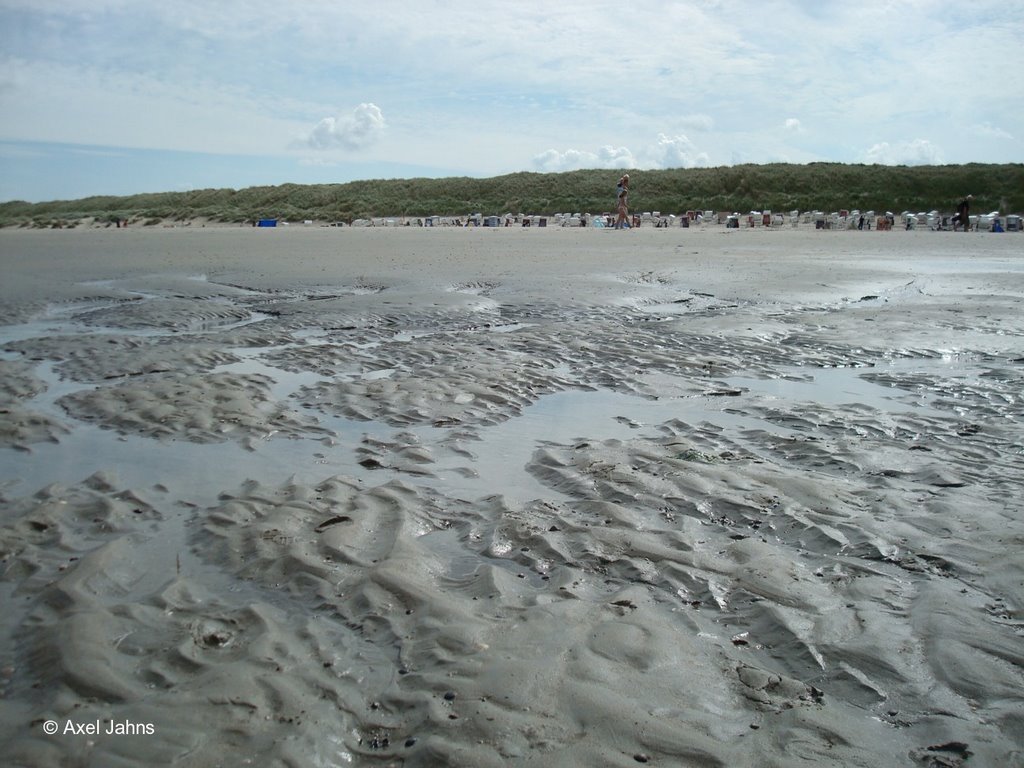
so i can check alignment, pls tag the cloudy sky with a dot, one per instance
(124, 96)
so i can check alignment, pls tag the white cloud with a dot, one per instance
(698, 123)
(616, 157)
(354, 131)
(667, 152)
(990, 131)
(915, 152)
(677, 152)
(53, 102)
(255, 78)
(574, 159)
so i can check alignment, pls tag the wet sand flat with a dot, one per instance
(479, 497)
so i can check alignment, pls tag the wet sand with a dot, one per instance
(412, 497)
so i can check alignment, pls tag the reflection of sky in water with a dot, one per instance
(840, 386)
(826, 386)
(566, 417)
(198, 472)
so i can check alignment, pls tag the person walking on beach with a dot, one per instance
(963, 214)
(622, 202)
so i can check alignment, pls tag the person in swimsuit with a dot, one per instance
(963, 214)
(622, 202)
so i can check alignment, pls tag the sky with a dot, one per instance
(115, 97)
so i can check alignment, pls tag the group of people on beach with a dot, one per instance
(960, 218)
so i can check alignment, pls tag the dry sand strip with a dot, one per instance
(694, 497)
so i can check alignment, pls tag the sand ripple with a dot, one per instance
(203, 409)
(750, 533)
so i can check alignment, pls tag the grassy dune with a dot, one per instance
(777, 187)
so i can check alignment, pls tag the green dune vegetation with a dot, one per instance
(740, 188)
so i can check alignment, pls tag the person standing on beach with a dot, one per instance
(622, 202)
(963, 214)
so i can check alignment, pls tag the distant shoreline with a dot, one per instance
(827, 187)
(843, 220)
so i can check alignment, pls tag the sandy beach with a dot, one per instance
(510, 497)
